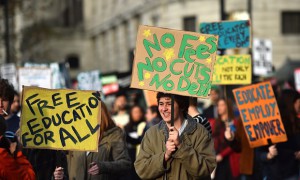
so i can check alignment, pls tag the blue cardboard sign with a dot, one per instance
(232, 34)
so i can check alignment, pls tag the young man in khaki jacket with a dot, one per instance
(182, 151)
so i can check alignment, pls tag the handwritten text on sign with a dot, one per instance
(260, 114)
(232, 69)
(174, 61)
(60, 119)
(232, 34)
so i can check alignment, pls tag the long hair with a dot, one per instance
(288, 113)
(230, 115)
(106, 121)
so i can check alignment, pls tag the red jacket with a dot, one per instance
(17, 168)
(222, 148)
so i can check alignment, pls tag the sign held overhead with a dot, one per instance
(232, 34)
(173, 61)
(260, 114)
(232, 69)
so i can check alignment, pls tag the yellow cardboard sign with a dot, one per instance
(172, 61)
(232, 69)
(60, 119)
(260, 114)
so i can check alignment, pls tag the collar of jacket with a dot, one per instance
(108, 132)
(189, 129)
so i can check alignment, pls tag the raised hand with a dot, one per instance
(272, 152)
(58, 173)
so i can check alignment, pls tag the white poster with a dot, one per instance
(89, 80)
(9, 72)
(40, 77)
(262, 56)
(58, 80)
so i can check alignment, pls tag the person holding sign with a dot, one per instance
(47, 163)
(182, 151)
(249, 167)
(281, 160)
(112, 159)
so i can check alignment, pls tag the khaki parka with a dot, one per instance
(112, 157)
(195, 159)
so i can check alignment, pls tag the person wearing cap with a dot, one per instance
(13, 164)
(180, 151)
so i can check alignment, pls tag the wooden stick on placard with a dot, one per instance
(172, 110)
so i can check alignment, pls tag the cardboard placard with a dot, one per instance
(260, 114)
(173, 61)
(232, 34)
(232, 69)
(60, 119)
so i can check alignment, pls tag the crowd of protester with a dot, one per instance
(138, 142)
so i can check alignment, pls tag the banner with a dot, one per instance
(89, 80)
(232, 34)
(110, 84)
(232, 69)
(40, 77)
(58, 80)
(60, 119)
(173, 61)
(262, 57)
(260, 114)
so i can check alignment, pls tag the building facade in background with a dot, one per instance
(101, 34)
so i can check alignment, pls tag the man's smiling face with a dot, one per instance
(164, 108)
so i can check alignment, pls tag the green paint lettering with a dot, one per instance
(204, 72)
(173, 64)
(188, 73)
(171, 40)
(185, 44)
(183, 86)
(213, 42)
(159, 64)
(201, 49)
(188, 53)
(141, 67)
(147, 44)
(192, 88)
(204, 89)
(168, 85)
(155, 80)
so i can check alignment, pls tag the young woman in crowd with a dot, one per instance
(134, 132)
(112, 160)
(227, 159)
